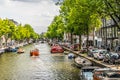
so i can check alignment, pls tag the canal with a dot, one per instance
(47, 66)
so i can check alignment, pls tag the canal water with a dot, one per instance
(47, 66)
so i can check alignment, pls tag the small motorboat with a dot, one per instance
(106, 74)
(11, 49)
(71, 55)
(86, 73)
(34, 52)
(81, 62)
(66, 52)
(20, 50)
(56, 49)
(2, 50)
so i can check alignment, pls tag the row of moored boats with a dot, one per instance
(88, 71)
(97, 73)
(12, 49)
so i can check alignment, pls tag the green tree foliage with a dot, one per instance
(7, 28)
(29, 31)
(112, 9)
(16, 32)
(56, 28)
(82, 16)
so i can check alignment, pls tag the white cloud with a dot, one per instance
(38, 14)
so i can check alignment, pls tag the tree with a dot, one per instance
(80, 15)
(56, 28)
(7, 28)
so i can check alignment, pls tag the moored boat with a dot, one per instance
(20, 50)
(56, 49)
(81, 62)
(2, 50)
(66, 52)
(106, 74)
(34, 52)
(71, 55)
(86, 73)
(10, 49)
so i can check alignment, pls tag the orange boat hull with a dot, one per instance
(34, 53)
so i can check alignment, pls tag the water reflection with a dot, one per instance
(47, 66)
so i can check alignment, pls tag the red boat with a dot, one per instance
(34, 52)
(56, 49)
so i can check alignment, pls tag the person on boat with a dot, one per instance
(20, 50)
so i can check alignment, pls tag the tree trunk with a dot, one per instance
(6, 41)
(93, 36)
(80, 42)
(71, 35)
(28, 40)
(87, 38)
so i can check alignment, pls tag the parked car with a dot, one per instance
(83, 50)
(67, 44)
(99, 54)
(91, 52)
(111, 57)
(117, 49)
(75, 47)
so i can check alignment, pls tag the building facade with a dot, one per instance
(108, 33)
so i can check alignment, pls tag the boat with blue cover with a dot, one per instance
(86, 73)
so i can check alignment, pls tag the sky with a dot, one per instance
(38, 13)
